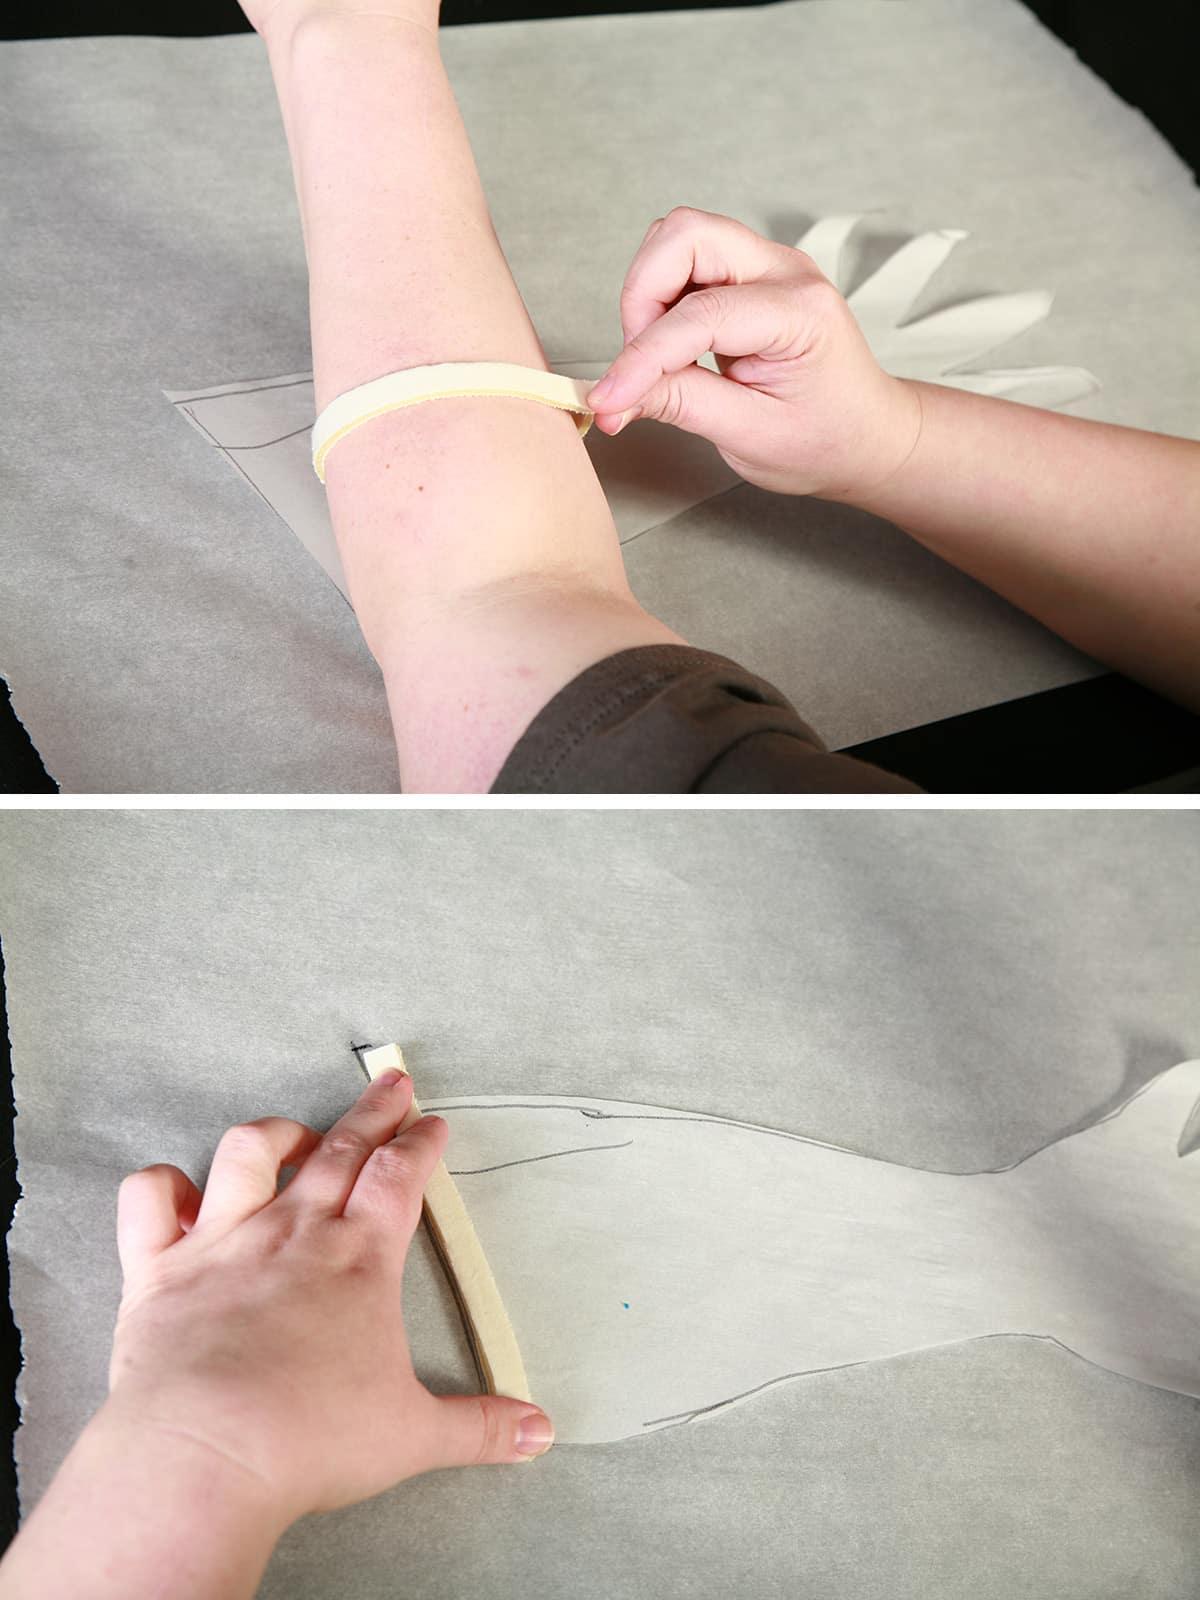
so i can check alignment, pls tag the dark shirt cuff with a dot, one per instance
(670, 719)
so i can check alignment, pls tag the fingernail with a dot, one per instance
(535, 1434)
(388, 1078)
(626, 416)
(600, 393)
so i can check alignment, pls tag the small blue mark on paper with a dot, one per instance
(625, 1303)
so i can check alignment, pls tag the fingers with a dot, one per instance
(155, 1208)
(244, 1175)
(475, 1430)
(701, 281)
(698, 401)
(326, 1180)
(738, 321)
(393, 1178)
(646, 238)
(690, 247)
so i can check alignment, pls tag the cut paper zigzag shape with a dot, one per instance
(936, 347)
(651, 475)
(660, 1266)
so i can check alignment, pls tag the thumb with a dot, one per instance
(478, 1429)
(696, 400)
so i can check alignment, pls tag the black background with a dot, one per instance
(1099, 736)
(10, 1345)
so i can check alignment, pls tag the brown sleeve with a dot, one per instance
(668, 719)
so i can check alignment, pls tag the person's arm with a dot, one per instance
(479, 548)
(260, 1369)
(1091, 528)
(134, 1511)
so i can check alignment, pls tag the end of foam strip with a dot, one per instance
(381, 1057)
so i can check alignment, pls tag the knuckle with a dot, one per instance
(634, 314)
(821, 298)
(671, 407)
(791, 267)
(684, 216)
(345, 1145)
(646, 365)
(702, 305)
(801, 261)
(394, 1163)
(629, 292)
(278, 1228)
(247, 1141)
(489, 1432)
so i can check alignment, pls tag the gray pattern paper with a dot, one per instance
(163, 630)
(940, 993)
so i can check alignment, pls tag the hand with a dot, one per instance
(268, 1327)
(800, 405)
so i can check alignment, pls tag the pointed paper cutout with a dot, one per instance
(936, 346)
(661, 1265)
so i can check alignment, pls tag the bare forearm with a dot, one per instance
(135, 1512)
(479, 548)
(404, 265)
(1093, 529)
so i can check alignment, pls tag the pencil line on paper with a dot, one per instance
(681, 1417)
(234, 388)
(294, 434)
(552, 1155)
(596, 1114)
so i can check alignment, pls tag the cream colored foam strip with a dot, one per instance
(416, 384)
(450, 1227)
